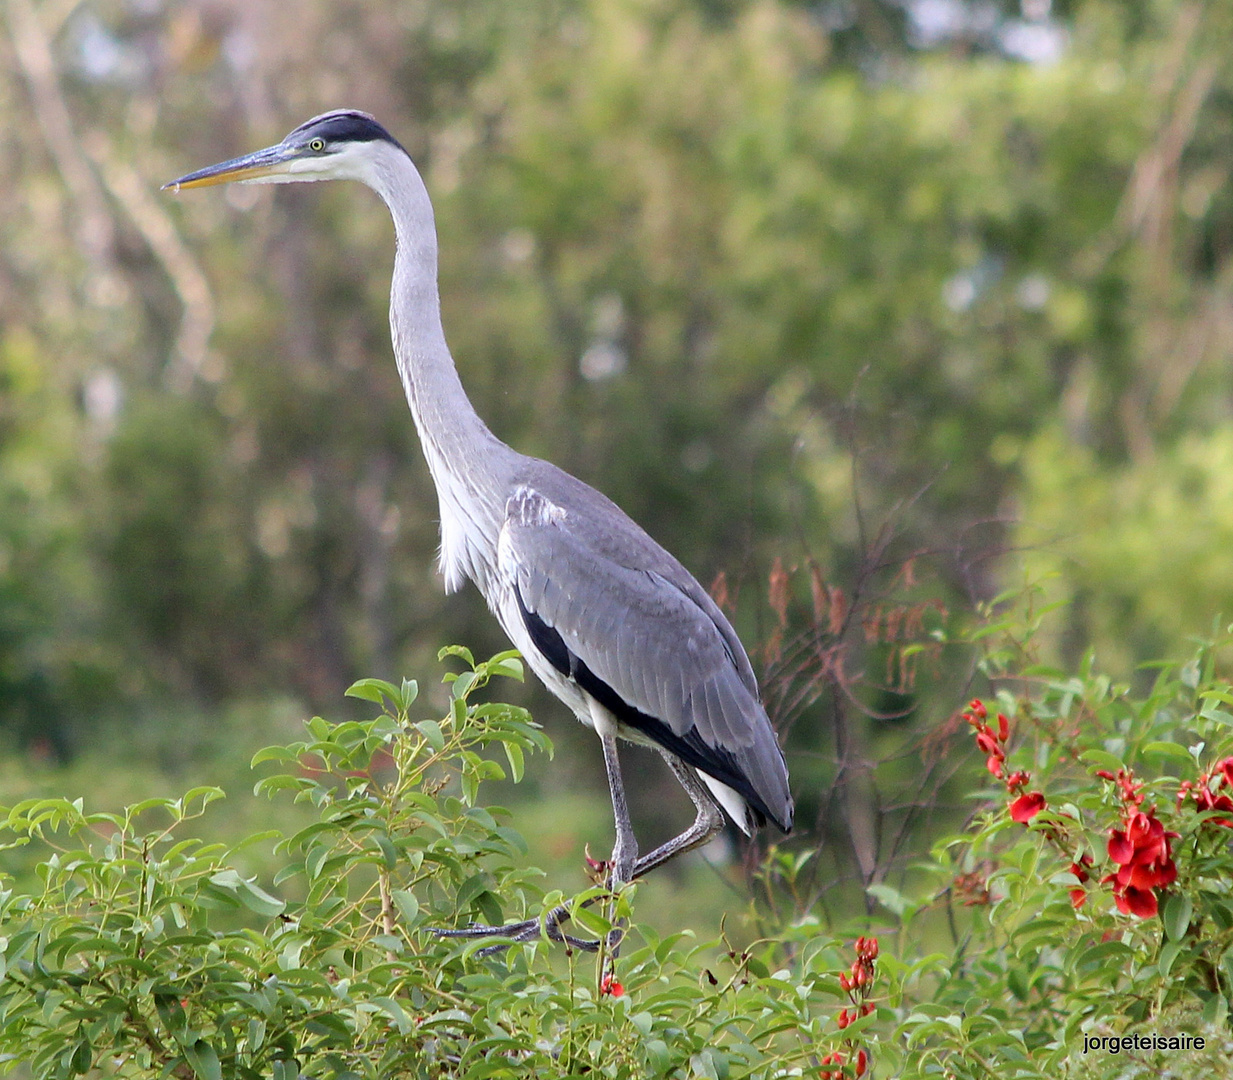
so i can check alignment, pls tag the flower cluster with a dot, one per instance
(1025, 804)
(857, 984)
(1140, 848)
(1203, 792)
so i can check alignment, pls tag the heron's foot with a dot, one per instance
(527, 930)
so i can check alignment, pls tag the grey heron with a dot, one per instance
(611, 623)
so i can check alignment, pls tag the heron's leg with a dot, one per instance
(625, 849)
(709, 821)
(624, 867)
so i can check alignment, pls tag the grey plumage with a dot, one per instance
(646, 630)
(611, 622)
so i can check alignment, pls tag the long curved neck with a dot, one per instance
(472, 469)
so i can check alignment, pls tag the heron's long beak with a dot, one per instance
(272, 161)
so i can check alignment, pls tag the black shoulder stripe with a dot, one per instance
(713, 760)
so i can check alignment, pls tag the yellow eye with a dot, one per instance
(316, 144)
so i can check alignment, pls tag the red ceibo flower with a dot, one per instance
(1226, 767)
(1027, 806)
(609, 985)
(1145, 863)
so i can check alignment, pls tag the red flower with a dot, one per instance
(1026, 807)
(1003, 727)
(862, 1062)
(1201, 792)
(1132, 901)
(987, 743)
(1143, 842)
(609, 985)
(1145, 863)
(1226, 768)
(1078, 895)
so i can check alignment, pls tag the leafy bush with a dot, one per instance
(1090, 899)
(1080, 917)
(144, 952)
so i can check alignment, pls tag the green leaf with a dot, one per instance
(374, 690)
(432, 733)
(1226, 965)
(256, 1034)
(204, 794)
(1092, 958)
(407, 904)
(410, 691)
(1102, 759)
(1168, 750)
(513, 753)
(890, 898)
(590, 920)
(1168, 955)
(1176, 916)
(150, 804)
(204, 1060)
(395, 1012)
(272, 753)
(1215, 1010)
(389, 853)
(463, 684)
(508, 665)
(470, 889)
(457, 650)
(250, 895)
(83, 1057)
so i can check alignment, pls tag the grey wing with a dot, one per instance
(663, 661)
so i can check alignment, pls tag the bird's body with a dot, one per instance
(611, 623)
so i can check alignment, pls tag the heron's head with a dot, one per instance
(339, 145)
